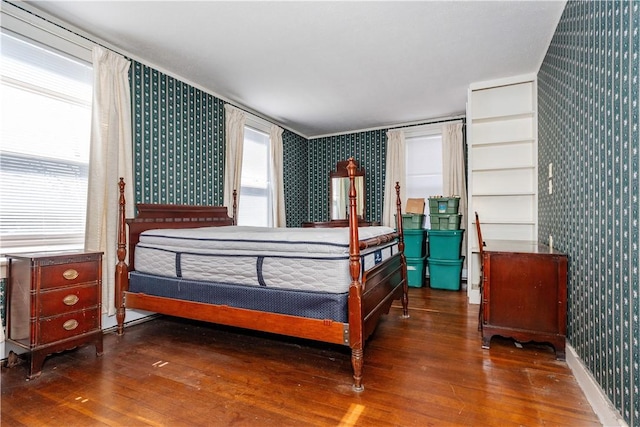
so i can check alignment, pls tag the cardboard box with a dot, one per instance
(415, 206)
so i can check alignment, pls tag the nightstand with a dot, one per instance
(54, 303)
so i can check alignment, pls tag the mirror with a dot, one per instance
(339, 192)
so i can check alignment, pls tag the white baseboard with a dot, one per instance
(607, 414)
(473, 295)
(131, 317)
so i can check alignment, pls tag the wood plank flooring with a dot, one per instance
(429, 370)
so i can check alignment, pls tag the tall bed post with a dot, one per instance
(356, 321)
(235, 207)
(122, 270)
(405, 286)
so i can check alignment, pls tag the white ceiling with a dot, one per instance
(327, 67)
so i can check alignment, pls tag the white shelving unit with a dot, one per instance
(502, 165)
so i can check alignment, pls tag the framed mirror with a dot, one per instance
(339, 191)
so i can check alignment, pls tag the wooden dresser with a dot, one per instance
(524, 293)
(53, 303)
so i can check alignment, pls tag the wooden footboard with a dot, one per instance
(370, 296)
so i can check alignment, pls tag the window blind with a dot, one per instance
(424, 165)
(44, 148)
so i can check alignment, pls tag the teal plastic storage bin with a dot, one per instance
(443, 205)
(445, 274)
(412, 221)
(445, 244)
(415, 243)
(445, 221)
(416, 269)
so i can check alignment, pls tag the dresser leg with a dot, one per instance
(35, 365)
(99, 348)
(559, 347)
(486, 342)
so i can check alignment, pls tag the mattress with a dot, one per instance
(304, 259)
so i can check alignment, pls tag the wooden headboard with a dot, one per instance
(154, 216)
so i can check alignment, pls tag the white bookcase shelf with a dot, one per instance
(503, 117)
(503, 164)
(506, 142)
(505, 221)
(505, 194)
(502, 169)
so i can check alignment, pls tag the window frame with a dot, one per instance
(424, 131)
(259, 125)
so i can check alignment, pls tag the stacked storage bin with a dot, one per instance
(445, 243)
(415, 248)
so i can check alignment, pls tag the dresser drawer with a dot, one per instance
(65, 300)
(53, 276)
(68, 325)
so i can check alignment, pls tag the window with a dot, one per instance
(44, 146)
(255, 188)
(423, 149)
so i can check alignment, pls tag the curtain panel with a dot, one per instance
(110, 157)
(277, 176)
(395, 172)
(234, 120)
(453, 169)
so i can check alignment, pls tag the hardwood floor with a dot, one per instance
(428, 370)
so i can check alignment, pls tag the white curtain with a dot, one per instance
(234, 120)
(110, 158)
(277, 176)
(453, 169)
(395, 172)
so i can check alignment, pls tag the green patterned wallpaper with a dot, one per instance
(588, 128)
(368, 148)
(178, 140)
(296, 186)
(178, 146)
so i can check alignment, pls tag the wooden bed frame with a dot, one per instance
(367, 301)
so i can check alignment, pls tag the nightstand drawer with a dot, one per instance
(54, 276)
(69, 299)
(68, 325)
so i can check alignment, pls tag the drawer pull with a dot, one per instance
(71, 299)
(70, 324)
(70, 274)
